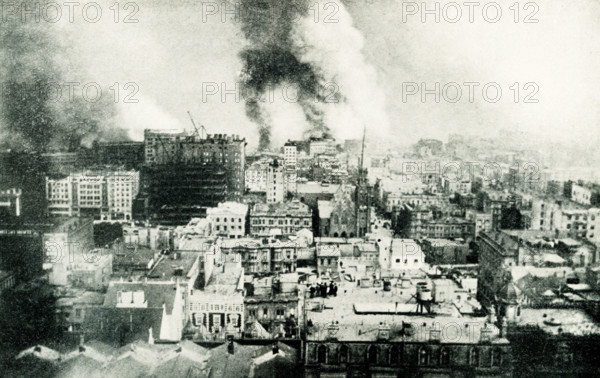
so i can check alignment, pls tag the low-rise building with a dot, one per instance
(262, 255)
(273, 302)
(217, 309)
(483, 221)
(152, 311)
(445, 251)
(279, 218)
(228, 219)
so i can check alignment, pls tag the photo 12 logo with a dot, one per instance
(469, 91)
(70, 91)
(72, 11)
(471, 11)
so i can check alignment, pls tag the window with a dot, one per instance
(344, 356)
(445, 357)
(423, 356)
(322, 354)
(474, 357)
(496, 357)
(280, 313)
(372, 355)
(394, 355)
(252, 312)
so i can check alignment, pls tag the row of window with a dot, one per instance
(394, 356)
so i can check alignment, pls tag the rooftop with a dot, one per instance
(175, 265)
(294, 208)
(313, 187)
(359, 311)
(554, 321)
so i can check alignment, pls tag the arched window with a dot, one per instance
(372, 355)
(423, 356)
(394, 355)
(344, 356)
(335, 234)
(496, 357)
(445, 357)
(474, 357)
(322, 354)
(344, 235)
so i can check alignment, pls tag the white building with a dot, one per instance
(105, 195)
(228, 219)
(320, 146)
(581, 194)
(256, 176)
(290, 154)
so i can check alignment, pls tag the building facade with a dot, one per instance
(279, 218)
(228, 219)
(185, 174)
(103, 194)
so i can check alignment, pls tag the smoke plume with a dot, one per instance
(319, 52)
(37, 113)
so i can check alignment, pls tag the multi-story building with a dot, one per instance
(424, 199)
(279, 218)
(273, 303)
(228, 219)
(217, 309)
(585, 194)
(262, 256)
(290, 154)
(444, 251)
(10, 201)
(456, 186)
(153, 311)
(497, 253)
(70, 242)
(256, 176)
(360, 335)
(103, 194)
(275, 182)
(185, 174)
(320, 146)
(495, 202)
(483, 221)
(563, 215)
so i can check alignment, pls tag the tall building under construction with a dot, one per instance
(183, 174)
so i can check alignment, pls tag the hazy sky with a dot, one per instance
(172, 52)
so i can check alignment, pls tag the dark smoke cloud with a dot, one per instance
(35, 62)
(271, 60)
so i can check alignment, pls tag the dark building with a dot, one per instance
(384, 352)
(185, 174)
(127, 154)
(26, 172)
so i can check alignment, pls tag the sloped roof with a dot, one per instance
(257, 330)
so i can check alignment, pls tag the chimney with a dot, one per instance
(485, 335)
(383, 331)
(332, 330)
